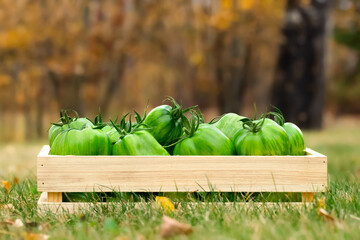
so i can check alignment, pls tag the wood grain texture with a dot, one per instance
(74, 207)
(54, 197)
(181, 173)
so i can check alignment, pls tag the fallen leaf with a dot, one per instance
(34, 236)
(326, 215)
(171, 227)
(18, 223)
(12, 223)
(7, 206)
(7, 186)
(141, 237)
(320, 204)
(165, 203)
(16, 181)
(355, 217)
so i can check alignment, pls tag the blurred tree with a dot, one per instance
(345, 88)
(299, 87)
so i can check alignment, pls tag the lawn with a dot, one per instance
(340, 141)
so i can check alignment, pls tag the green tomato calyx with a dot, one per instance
(278, 116)
(252, 125)
(189, 127)
(128, 127)
(65, 119)
(176, 109)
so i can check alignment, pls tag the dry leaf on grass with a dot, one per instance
(12, 223)
(321, 203)
(34, 236)
(171, 227)
(7, 186)
(326, 215)
(355, 217)
(6, 207)
(165, 203)
(16, 181)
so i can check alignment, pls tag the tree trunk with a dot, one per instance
(299, 85)
(231, 75)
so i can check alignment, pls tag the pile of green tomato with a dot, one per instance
(166, 130)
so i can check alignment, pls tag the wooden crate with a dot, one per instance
(56, 174)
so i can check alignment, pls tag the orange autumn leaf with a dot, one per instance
(7, 186)
(165, 203)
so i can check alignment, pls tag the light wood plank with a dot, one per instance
(182, 173)
(75, 207)
(54, 197)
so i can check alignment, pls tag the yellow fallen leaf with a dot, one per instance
(165, 203)
(34, 236)
(171, 227)
(320, 205)
(7, 186)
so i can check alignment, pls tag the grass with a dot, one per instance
(339, 141)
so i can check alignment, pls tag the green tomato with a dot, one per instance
(87, 141)
(78, 123)
(270, 139)
(206, 140)
(230, 124)
(296, 138)
(112, 133)
(138, 143)
(165, 126)
(297, 143)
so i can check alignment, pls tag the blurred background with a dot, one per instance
(303, 56)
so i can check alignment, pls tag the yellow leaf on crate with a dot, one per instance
(165, 203)
(7, 186)
(246, 4)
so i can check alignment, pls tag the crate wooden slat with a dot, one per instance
(72, 207)
(306, 173)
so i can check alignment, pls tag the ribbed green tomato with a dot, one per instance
(297, 143)
(206, 140)
(296, 138)
(230, 124)
(164, 124)
(87, 141)
(138, 143)
(266, 139)
(78, 123)
(112, 133)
